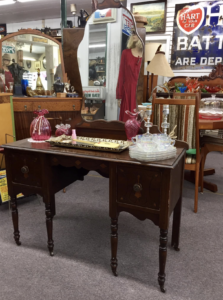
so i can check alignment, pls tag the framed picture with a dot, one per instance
(105, 15)
(155, 12)
(37, 64)
(28, 64)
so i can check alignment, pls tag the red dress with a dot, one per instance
(8, 78)
(127, 82)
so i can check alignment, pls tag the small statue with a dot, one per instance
(30, 92)
(17, 72)
(67, 87)
(39, 85)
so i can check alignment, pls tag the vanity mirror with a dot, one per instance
(109, 58)
(29, 49)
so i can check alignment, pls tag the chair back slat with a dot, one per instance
(183, 113)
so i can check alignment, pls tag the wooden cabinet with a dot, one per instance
(61, 110)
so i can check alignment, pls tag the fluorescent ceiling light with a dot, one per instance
(22, 1)
(29, 58)
(97, 45)
(7, 2)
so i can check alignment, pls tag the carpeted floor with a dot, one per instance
(80, 269)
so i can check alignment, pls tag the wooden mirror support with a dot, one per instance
(72, 39)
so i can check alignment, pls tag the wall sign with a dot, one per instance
(8, 49)
(41, 40)
(127, 23)
(105, 15)
(94, 92)
(197, 36)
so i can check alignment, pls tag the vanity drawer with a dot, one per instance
(60, 105)
(139, 186)
(22, 106)
(26, 169)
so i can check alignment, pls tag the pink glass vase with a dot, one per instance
(133, 124)
(40, 129)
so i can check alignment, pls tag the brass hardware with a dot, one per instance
(25, 106)
(73, 107)
(25, 170)
(6, 135)
(137, 187)
(60, 118)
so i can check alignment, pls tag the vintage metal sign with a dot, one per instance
(91, 92)
(127, 23)
(8, 49)
(197, 36)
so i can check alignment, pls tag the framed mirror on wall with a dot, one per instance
(32, 55)
(109, 58)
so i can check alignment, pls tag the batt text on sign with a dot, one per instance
(197, 36)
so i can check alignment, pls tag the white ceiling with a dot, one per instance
(38, 10)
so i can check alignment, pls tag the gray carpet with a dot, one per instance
(80, 268)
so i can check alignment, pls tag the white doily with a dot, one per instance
(33, 141)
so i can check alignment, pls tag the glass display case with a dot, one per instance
(97, 54)
(211, 108)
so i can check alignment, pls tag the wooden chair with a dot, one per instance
(184, 110)
(210, 142)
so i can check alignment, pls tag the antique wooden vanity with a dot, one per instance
(145, 190)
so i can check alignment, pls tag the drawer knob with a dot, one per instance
(25, 170)
(73, 107)
(25, 107)
(39, 106)
(137, 187)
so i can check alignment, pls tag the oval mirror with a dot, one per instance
(109, 58)
(32, 52)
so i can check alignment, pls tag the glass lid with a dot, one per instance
(211, 99)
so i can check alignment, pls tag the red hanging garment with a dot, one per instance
(127, 82)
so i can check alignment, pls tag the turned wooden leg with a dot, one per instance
(197, 172)
(53, 207)
(201, 180)
(176, 225)
(162, 258)
(49, 226)
(114, 245)
(15, 219)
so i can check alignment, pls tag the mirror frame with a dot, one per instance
(36, 32)
(95, 6)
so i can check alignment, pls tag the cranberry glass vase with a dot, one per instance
(63, 129)
(40, 129)
(132, 125)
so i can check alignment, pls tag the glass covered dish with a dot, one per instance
(211, 108)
